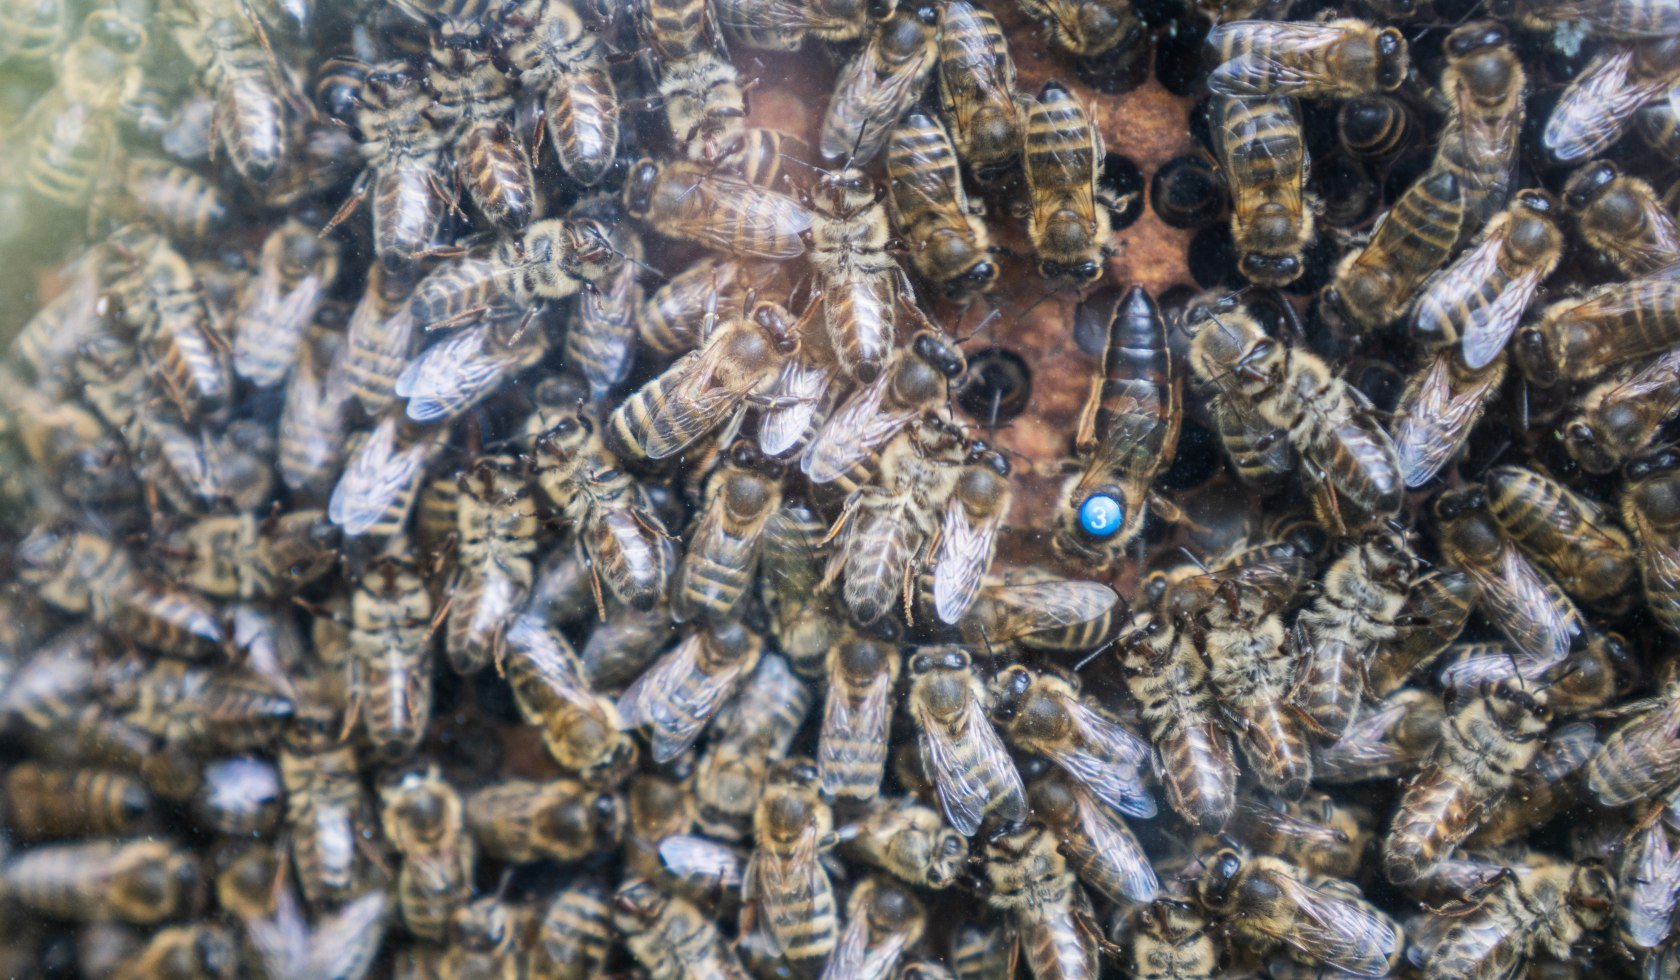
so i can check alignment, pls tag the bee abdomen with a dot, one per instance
(498, 175)
(1433, 817)
(251, 110)
(583, 120)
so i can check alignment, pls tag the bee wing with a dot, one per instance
(1528, 609)
(449, 377)
(542, 651)
(1253, 73)
(856, 427)
(377, 475)
(1650, 885)
(965, 554)
(1109, 760)
(1348, 935)
(957, 781)
(1648, 738)
(1435, 422)
(605, 325)
(875, 98)
(863, 720)
(1035, 607)
(882, 959)
(343, 945)
(1590, 113)
(798, 394)
(847, 959)
(693, 858)
(1479, 666)
(1364, 751)
(1491, 326)
(694, 401)
(1659, 557)
(674, 699)
(1117, 846)
(738, 212)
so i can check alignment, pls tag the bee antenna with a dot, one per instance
(1099, 651)
(1195, 560)
(994, 314)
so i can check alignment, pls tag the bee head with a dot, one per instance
(1219, 878)
(1391, 59)
(638, 189)
(1008, 689)
(1587, 183)
(1271, 270)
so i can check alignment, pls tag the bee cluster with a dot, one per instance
(480, 503)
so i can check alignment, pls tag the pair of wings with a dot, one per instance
(1337, 932)
(873, 93)
(674, 699)
(960, 759)
(1107, 759)
(378, 476)
(1526, 605)
(1437, 413)
(1277, 59)
(862, 718)
(963, 558)
(1641, 759)
(268, 327)
(855, 429)
(1594, 110)
(1368, 748)
(1023, 609)
(855, 958)
(455, 374)
(739, 218)
(1458, 303)
(692, 402)
(1113, 845)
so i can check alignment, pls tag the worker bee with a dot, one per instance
(1483, 84)
(325, 809)
(1540, 906)
(160, 297)
(1128, 433)
(977, 85)
(470, 103)
(423, 819)
(943, 230)
(1597, 105)
(796, 551)
(882, 919)
(1549, 787)
(1036, 610)
(1487, 740)
(1648, 508)
(377, 489)
(1478, 300)
(141, 881)
(1637, 761)
(1067, 223)
(404, 182)
(1622, 217)
(553, 53)
(1433, 615)
(1171, 941)
(1088, 28)
(1524, 602)
(1099, 847)
(880, 82)
(1409, 243)
(914, 382)
(1260, 148)
(859, 279)
(35, 30)
(707, 388)
(852, 746)
(688, 200)
(600, 336)
(1337, 59)
(520, 821)
(496, 535)
(669, 937)
(378, 342)
(294, 270)
(1441, 403)
(682, 313)
(910, 840)
(1573, 538)
(967, 536)
(574, 935)
(1043, 714)
(1269, 902)
(389, 646)
(70, 135)
(780, 25)
(1350, 465)
(972, 773)
(252, 113)
(786, 882)
(580, 728)
(1314, 834)
(550, 260)
(1578, 338)
(1355, 615)
(44, 802)
(1031, 882)
(676, 698)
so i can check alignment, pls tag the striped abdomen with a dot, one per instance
(1194, 756)
(497, 173)
(582, 121)
(69, 146)
(408, 206)
(1055, 944)
(1061, 145)
(1333, 671)
(800, 914)
(1436, 813)
(880, 541)
(182, 201)
(396, 704)
(249, 113)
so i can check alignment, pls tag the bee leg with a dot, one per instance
(358, 194)
(1174, 514)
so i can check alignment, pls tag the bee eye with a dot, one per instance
(1100, 516)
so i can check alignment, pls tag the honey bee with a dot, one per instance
(795, 553)
(1483, 84)
(1480, 297)
(1577, 339)
(786, 882)
(1128, 433)
(1486, 741)
(44, 802)
(139, 881)
(722, 556)
(325, 810)
(1043, 714)
(1441, 403)
(622, 539)
(860, 280)
(198, 708)
(1434, 614)
(1623, 218)
(240, 556)
(550, 687)
(914, 382)
(496, 535)
(202, 950)
(1384, 740)
(943, 230)
(378, 341)
(1260, 148)
(881, 82)
(252, 114)
(883, 919)
(780, 25)
(1648, 508)
(186, 204)
(972, 773)
(1637, 761)
(404, 181)
(977, 84)
(910, 840)
(669, 937)
(1573, 538)
(707, 388)
(160, 297)
(1036, 610)
(69, 136)
(689, 201)
(1171, 941)
(852, 746)
(294, 270)
(1031, 882)
(680, 315)
(241, 796)
(1337, 59)
(967, 537)
(1099, 847)
(377, 489)
(470, 103)
(1316, 834)
(1409, 243)
(1169, 679)
(1350, 465)
(1088, 28)
(561, 820)
(552, 52)
(1068, 222)
(677, 697)
(422, 818)
(599, 338)
(1541, 906)
(389, 647)
(1355, 615)
(34, 30)
(1524, 602)
(1599, 103)
(574, 935)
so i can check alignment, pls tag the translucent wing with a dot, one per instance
(1109, 760)
(964, 557)
(740, 218)
(1659, 559)
(694, 401)
(957, 781)
(883, 958)
(847, 959)
(1115, 845)
(1256, 74)
(1492, 325)
(546, 654)
(1366, 750)
(1595, 106)
(1649, 738)
(874, 101)
(796, 397)
(602, 335)
(1526, 606)
(862, 721)
(700, 859)
(674, 699)
(1436, 420)
(1037, 607)
(1347, 935)
(450, 377)
(856, 428)
(375, 477)
(1649, 886)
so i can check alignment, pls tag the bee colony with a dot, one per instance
(1057, 488)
